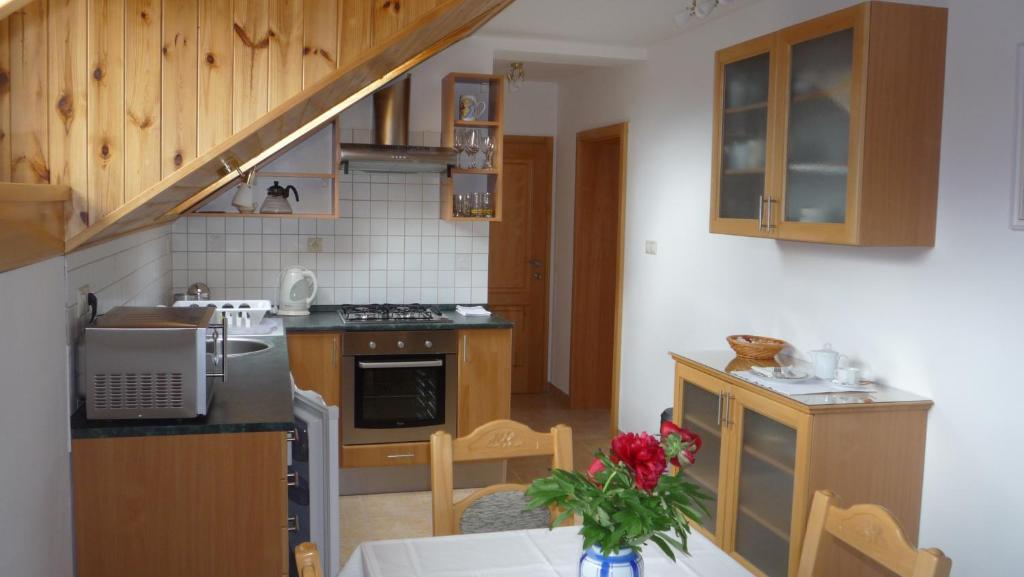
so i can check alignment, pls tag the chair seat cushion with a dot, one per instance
(502, 511)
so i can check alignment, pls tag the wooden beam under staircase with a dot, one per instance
(430, 33)
(31, 222)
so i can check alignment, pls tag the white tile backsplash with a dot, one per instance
(389, 245)
(135, 269)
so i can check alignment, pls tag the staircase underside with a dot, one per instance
(308, 110)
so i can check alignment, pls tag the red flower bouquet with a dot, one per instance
(627, 497)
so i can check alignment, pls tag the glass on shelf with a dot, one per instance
(765, 500)
(473, 205)
(744, 137)
(820, 88)
(475, 147)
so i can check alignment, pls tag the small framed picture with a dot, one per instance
(1017, 202)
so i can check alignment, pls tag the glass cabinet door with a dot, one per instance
(764, 496)
(742, 140)
(701, 413)
(820, 82)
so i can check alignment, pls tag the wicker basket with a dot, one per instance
(754, 347)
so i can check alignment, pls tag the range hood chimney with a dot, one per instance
(390, 151)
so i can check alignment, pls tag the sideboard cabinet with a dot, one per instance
(829, 130)
(764, 454)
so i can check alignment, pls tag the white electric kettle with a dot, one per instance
(298, 289)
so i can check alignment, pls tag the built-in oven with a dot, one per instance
(398, 386)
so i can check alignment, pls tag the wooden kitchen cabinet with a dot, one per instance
(829, 130)
(764, 455)
(166, 506)
(485, 377)
(315, 361)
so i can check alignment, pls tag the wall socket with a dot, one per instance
(315, 244)
(651, 247)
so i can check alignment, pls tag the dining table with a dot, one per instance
(533, 552)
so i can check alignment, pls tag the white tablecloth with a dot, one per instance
(533, 553)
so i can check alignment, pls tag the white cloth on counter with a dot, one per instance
(476, 311)
(531, 553)
(810, 386)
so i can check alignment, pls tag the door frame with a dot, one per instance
(618, 131)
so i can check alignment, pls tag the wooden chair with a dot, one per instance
(872, 531)
(307, 560)
(502, 439)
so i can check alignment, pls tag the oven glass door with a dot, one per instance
(397, 392)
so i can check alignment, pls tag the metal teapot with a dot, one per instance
(277, 199)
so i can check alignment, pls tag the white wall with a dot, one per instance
(37, 332)
(35, 489)
(944, 322)
(532, 110)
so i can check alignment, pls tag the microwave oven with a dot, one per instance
(152, 362)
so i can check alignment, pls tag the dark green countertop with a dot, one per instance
(326, 319)
(257, 396)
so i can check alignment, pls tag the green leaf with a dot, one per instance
(657, 540)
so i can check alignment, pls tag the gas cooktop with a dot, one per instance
(391, 313)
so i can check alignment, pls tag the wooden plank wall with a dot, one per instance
(109, 97)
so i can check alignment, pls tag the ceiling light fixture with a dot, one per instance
(516, 75)
(697, 8)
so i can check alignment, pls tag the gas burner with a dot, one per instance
(386, 312)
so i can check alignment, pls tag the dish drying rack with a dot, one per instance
(239, 314)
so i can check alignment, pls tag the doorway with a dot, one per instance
(598, 229)
(517, 278)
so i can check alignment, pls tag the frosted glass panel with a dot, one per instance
(819, 129)
(744, 137)
(700, 414)
(766, 493)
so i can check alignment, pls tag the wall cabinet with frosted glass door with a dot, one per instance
(764, 454)
(745, 81)
(845, 147)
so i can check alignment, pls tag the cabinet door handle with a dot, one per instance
(718, 419)
(760, 213)
(334, 352)
(465, 347)
(768, 219)
(402, 456)
(728, 408)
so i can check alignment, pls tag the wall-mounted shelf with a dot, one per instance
(475, 123)
(469, 178)
(312, 169)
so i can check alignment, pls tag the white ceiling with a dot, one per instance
(635, 23)
(544, 71)
(557, 39)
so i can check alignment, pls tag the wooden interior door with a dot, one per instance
(600, 187)
(518, 262)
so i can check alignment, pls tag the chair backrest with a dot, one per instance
(872, 531)
(307, 560)
(502, 439)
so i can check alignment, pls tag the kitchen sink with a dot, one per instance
(239, 347)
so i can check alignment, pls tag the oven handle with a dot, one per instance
(400, 364)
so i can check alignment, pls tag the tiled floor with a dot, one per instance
(403, 515)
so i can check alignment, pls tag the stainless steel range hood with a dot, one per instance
(390, 151)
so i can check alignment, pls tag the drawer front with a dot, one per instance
(385, 455)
